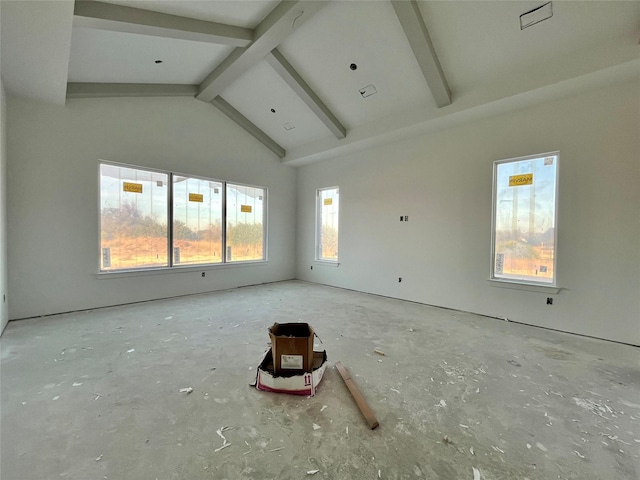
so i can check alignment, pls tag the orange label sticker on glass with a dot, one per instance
(328, 201)
(132, 187)
(519, 180)
(245, 208)
(196, 197)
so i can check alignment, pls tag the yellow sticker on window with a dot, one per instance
(132, 187)
(196, 197)
(245, 208)
(328, 201)
(520, 180)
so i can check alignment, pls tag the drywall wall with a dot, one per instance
(53, 207)
(443, 182)
(4, 311)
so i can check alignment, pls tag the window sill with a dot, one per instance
(524, 286)
(106, 275)
(326, 263)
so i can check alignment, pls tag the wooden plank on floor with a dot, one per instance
(357, 396)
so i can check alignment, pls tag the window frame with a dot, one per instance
(171, 265)
(318, 232)
(515, 282)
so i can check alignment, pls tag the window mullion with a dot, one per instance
(170, 219)
(224, 222)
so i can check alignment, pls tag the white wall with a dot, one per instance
(4, 310)
(53, 224)
(443, 182)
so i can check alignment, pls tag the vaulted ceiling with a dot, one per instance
(315, 79)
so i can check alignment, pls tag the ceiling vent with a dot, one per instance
(289, 126)
(367, 91)
(536, 15)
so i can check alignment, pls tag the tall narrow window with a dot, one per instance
(245, 223)
(133, 218)
(524, 219)
(328, 208)
(197, 221)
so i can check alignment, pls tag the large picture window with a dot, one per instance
(138, 229)
(328, 216)
(524, 219)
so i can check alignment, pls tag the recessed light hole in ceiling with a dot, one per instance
(158, 61)
(353, 66)
(537, 15)
(273, 110)
(367, 91)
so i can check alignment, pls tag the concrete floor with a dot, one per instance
(95, 395)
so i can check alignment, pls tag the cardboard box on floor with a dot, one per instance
(292, 347)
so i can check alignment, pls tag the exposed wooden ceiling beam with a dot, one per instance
(283, 68)
(106, 16)
(103, 90)
(272, 31)
(416, 31)
(248, 126)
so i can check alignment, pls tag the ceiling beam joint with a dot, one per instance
(272, 31)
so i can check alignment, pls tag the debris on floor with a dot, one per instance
(225, 444)
(476, 473)
(379, 352)
(312, 472)
(222, 447)
(186, 390)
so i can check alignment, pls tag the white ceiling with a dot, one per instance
(488, 63)
(114, 57)
(369, 35)
(258, 91)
